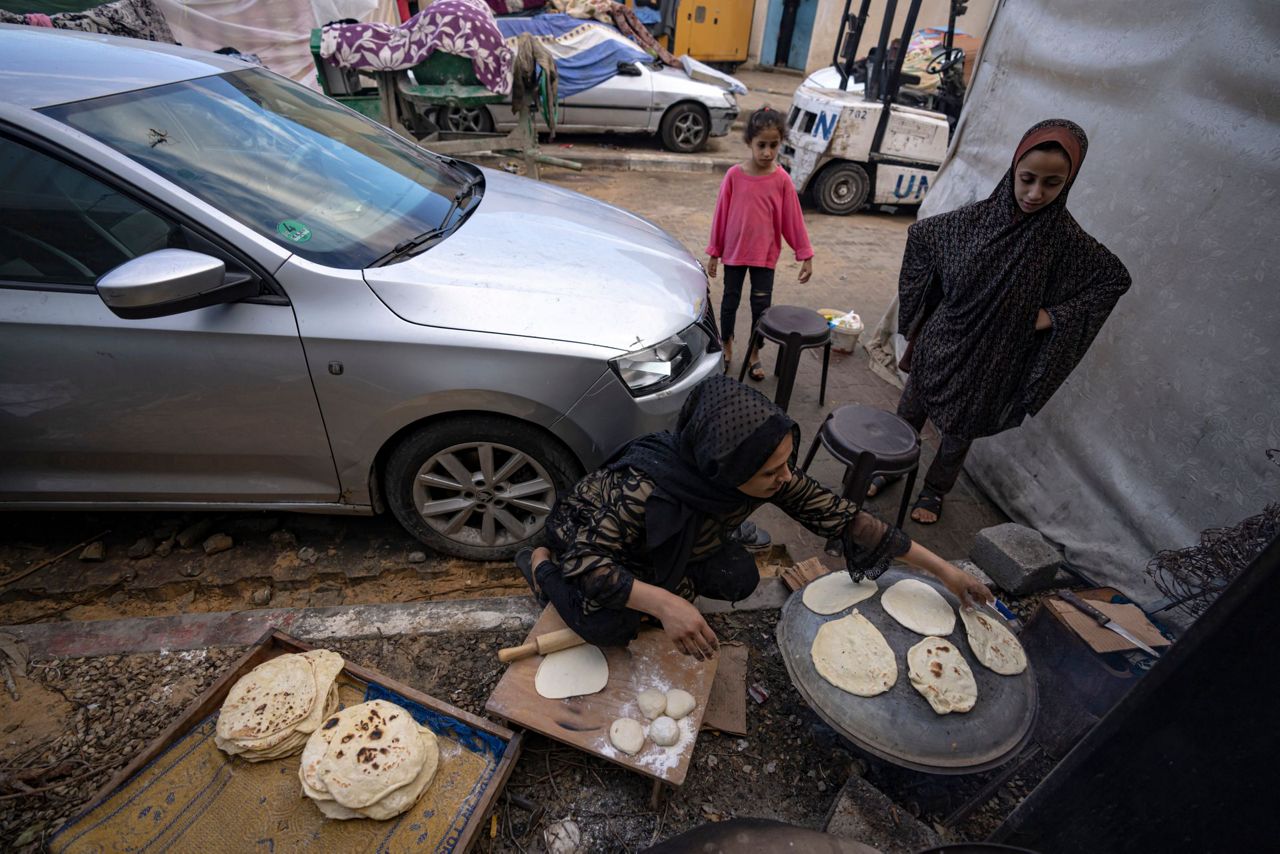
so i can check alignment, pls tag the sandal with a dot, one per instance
(879, 482)
(757, 372)
(524, 563)
(929, 501)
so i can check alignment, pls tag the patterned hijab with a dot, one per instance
(725, 433)
(972, 283)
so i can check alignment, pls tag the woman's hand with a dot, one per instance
(687, 628)
(806, 270)
(969, 590)
(713, 264)
(1044, 320)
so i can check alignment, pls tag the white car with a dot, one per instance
(640, 98)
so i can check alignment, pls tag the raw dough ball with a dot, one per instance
(627, 735)
(652, 703)
(919, 607)
(832, 593)
(572, 672)
(679, 703)
(664, 731)
(852, 655)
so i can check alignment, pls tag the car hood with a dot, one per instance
(539, 261)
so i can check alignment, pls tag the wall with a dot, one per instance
(933, 13)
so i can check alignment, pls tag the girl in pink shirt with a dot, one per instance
(757, 206)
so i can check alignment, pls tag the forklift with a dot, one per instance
(879, 143)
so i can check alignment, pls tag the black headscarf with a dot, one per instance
(972, 283)
(725, 433)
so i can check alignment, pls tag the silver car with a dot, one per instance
(220, 290)
(640, 98)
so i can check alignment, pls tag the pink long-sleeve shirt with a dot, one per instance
(753, 214)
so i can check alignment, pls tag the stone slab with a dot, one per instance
(863, 813)
(1016, 557)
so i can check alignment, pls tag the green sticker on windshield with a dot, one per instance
(294, 231)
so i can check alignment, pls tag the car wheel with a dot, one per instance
(685, 127)
(841, 188)
(477, 487)
(465, 120)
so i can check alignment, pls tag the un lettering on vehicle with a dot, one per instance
(901, 185)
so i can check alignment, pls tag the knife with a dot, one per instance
(1009, 617)
(1105, 621)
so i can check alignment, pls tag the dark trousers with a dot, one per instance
(952, 450)
(729, 574)
(761, 295)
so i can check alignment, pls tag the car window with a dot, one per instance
(61, 226)
(285, 161)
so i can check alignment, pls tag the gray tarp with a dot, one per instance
(1164, 428)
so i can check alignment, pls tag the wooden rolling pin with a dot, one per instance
(541, 645)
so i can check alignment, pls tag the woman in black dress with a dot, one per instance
(651, 530)
(999, 301)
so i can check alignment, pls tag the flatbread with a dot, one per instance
(832, 593)
(406, 796)
(572, 672)
(919, 607)
(374, 749)
(993, 644)
(325, 665)
(852, 655)
(939, 672)
(267, 702)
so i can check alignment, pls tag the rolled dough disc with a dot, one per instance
(572, 672)
(832, 593)
(919, 607)
(852, 655)
(652, 703)
(679, 703)
(993, 644)
(942, 676)
(664, 731)
(627, 735)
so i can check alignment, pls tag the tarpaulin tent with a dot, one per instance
(1167, 425)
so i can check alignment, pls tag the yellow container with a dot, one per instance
(717, 31)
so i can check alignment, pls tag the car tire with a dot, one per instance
(480, 519)
(685, 127)
(476, 119)
(841, 188)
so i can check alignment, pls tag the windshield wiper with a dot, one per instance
(406, 248)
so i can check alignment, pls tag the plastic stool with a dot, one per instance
(869, 442)
(794, 330)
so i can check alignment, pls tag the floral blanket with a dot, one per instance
(462, 27)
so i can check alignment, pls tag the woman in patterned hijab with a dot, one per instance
(999, 301)
(651, 530)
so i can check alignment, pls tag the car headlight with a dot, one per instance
(655, 368)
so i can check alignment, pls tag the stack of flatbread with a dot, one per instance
(368, 761)
(273, 709)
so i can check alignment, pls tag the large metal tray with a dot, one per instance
(899, 726)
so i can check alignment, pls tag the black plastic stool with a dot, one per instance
(869, 442)
(794, 330)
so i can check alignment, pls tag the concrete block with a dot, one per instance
(1017, 558)
(771, 593)
(863, 813)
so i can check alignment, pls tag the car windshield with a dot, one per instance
(293, 165)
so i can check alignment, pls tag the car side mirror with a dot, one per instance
(171, 281)
(629, 69)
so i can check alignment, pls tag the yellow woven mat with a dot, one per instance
(196, 798)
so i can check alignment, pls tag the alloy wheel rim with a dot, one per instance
(688, 129)
(465, 119)
(483, 494)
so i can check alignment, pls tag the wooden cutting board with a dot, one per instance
(649, 661)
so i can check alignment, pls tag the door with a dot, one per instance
(788, 29)
(210, 405)
(623, 102)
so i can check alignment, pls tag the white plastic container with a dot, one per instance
(845, 331)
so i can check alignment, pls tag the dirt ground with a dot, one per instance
(790, 765)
